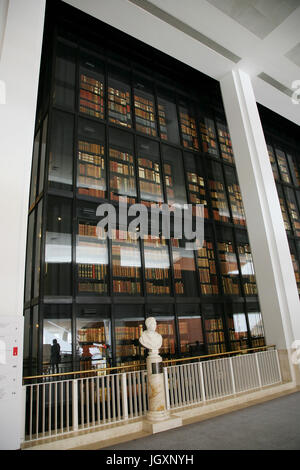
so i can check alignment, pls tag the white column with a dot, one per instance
(277, 287)
(21, 43)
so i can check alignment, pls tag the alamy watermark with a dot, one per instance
(165, 221)
(296, 94)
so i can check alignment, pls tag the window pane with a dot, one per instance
(58, 255)
(237, 327)
(256, 326)
(157, 266)
(294, 256)
(91, 171)
(64, 76)
(208, 136)
(150, 180)
(93, 337)
(29, 254)
(61, 151)
(295, 168)
(293, 210)
(57, 325)
(217, 192)
(126, 263)
(35, 338)
(284, 212)
(43, 155)
(206, 261)
(214, 328)
(174, 176)
(197, 185)
(129, 325)
(273, 162)
(91, 101)
(26, 344)
(168, 121)
(235, 197)
(228, 262)
(283, 167)
(246, 263)
(190, 330)
(34, 169)
(188, 126)
(225, 142)
(144, 108)
(119, 110)
(185, 279)
(91, 259)
(38, 239)
(121, 167)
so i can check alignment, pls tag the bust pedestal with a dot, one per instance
(156, 389)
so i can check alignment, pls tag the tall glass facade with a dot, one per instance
(114, 129)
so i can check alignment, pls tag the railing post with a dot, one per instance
(75, 405)
(278, 365)
(202, 388)
(232, 376)
(166, 382)
(124, 396)
(23, 420)
(258, 370)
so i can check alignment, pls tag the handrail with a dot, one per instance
(59, 374)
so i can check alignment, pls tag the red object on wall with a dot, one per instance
(15, 351)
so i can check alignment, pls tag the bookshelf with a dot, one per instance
(247, 267)
(126, 263)
(188, 128)
(256, 327)
(118, 100)
(293, 210)
(208, 136)
(144, 111)
(283, 207)
(273, 162)
(149, 172)
(184, 270)
(127, 334)
(214, 329)
(91, 176)
(295, 168)
(283, 166)
(167, 120)
(93, 344)
(196, 182)
(206, 262)
(225, 142)
(166, 327)
(228, 262)
(174, 176)
(216, 185)
(235, 197)
(237, 330)
(91, 94)
(92, 260)
(157, 266)
(191, 335)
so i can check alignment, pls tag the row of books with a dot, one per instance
(157, 289)
(90, 182)
(91, 334)
(126, 287)
(88, 95)
(97, 149)
(122, 198)
(150, 175)
(156, 273)
(92, 271)
(91, 97)
(230, 286)
(213, 324)
(128, 332)
(91, 84)
(179, 287)
(91, 171)
(210, 289)
(126, 271)
(95, 159)
(92, 288)
(126, 185)
(145, 127)
(117, 154)
(250, 289)
(216, 348)
(215, 337)
(151, 188)
(123, 169)
(127, 350)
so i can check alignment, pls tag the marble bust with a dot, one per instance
(150, 339)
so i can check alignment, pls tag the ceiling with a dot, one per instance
(261, 37)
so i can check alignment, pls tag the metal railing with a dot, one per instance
(113, 395)
(193, 383)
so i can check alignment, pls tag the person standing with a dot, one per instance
(55, 356)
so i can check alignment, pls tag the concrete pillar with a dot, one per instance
(22, 24)
(276, 283)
